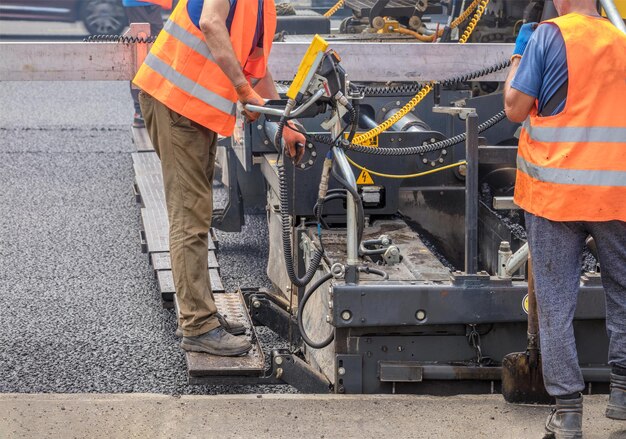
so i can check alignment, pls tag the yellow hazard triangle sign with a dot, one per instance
(364, 178)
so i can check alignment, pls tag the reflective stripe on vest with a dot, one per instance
(576, 134)
(586, 177)
(572, 166)
(192, 88)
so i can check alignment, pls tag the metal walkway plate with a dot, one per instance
(251, 364)
(162, 261)
(166, 283)
(142, 140)
(156, 228)
(150, 190)
(146, 163)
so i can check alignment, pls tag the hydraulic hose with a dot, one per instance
(411, 150)
(302, 304)
(307, 295)
(357, 200)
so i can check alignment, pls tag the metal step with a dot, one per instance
(162, 261)
(146, 163)
(156, 228)
(201, 365)
(149, 187)
(142, 140)
(166, 284)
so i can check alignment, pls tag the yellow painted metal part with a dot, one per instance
(317, 45)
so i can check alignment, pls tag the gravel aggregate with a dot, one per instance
(80, 307)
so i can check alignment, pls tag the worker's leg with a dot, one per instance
(186, 150)
(610, 240)
(143, 14)
(556, 249)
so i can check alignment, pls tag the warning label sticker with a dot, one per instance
(364, 178)
(373, 142)
(525, 303)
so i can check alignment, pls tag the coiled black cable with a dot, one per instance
(118, 39)
(405, 89)
(286, 235)
(411, 150)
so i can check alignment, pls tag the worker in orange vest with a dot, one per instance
(210, 55)
(144, 11)
(567, 85)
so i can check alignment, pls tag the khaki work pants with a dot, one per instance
(187, 153)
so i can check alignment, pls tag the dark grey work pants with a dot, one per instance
(144, 14)
(556, 249)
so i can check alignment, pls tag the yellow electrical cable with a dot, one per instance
(334, 9)
(474, 21)
(396, 117)
(419, 174)
(480, 8)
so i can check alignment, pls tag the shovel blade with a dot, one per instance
(521, 382)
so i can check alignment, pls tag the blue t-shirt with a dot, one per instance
(194, 9)
(543, 68)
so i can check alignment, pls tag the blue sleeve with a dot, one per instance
(529, 76)
(543, 68)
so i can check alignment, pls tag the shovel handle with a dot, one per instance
(533, 319)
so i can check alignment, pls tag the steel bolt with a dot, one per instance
(259, 127)
(303, 166)
(424, 160)
(256, 304)
(440, 160)
(346, 315)
(278, 360)
(463, 170)
(327, 318)
(266, 142)
(433, 164)
(309, 145)
(341, 371)
(444, 152)
(420, 315)
(310, 162)
(397, 102)
(400, 348)
(313, 154)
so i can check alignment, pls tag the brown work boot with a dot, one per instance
(566, 420)
(617, 400)
(217, 342)
(233, 327)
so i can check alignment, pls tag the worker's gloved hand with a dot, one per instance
(523, 37)
(247, 95)
(294, 141)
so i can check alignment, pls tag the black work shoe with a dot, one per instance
(566, 420)
(217, 342)
(235, 328)
(617, 400)
(138, 121)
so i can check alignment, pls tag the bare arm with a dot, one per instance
(213, 26)
(266, 87)
(517, 105)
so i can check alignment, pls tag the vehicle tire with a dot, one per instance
(103, 17)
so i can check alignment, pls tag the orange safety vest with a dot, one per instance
(180, 71)
(165, 4)
(572, 166)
